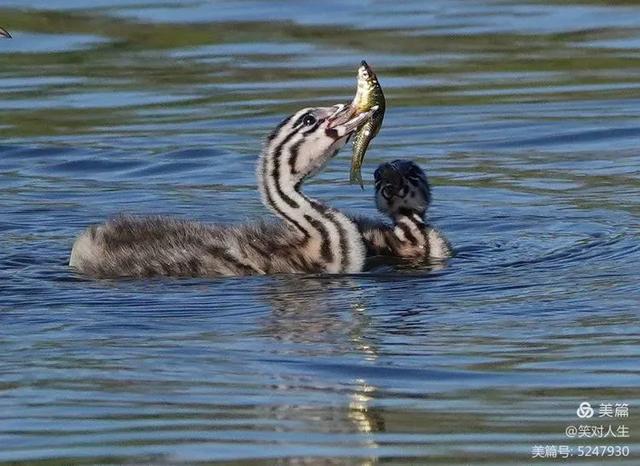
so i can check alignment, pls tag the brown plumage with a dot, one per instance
(151, 246)
(312, 238)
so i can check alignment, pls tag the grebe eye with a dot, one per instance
(309, 120)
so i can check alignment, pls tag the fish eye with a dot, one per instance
(309, 120)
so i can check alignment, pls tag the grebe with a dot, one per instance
(404, 195)
(313, 238)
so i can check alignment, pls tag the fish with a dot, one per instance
(368, 95)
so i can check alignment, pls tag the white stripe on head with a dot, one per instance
(299, 148)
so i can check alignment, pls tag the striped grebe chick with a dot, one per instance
(313, 238)
(403, 194)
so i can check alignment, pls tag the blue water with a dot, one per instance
(526, 117)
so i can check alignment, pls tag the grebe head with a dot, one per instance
(304, 142)
(401, 188)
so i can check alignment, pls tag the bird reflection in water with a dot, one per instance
(321, 317)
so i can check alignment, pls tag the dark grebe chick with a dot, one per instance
(312, 238)
(403, 194)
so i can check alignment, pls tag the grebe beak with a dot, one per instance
(346, 118)
(4, 33)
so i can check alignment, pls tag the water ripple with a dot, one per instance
(525, 117)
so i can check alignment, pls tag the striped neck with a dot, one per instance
(410, 227)
(331, 237)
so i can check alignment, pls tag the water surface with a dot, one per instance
(526, 117)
